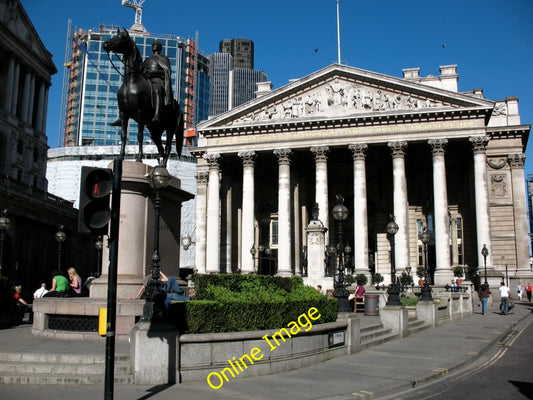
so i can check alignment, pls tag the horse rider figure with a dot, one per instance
(156, 68)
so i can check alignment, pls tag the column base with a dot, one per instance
(284, 273)
(443, 277)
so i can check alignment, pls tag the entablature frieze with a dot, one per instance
(345, 136)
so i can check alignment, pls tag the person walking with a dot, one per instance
(519, 290)
(504, 295)
(484, 294)
(528, 291)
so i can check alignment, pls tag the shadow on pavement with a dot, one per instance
(154, 390)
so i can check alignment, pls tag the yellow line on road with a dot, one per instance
(443, 371)
(363, 394)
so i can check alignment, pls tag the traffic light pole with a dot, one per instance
(112, 281)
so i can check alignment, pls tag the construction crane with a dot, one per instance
(137, 5)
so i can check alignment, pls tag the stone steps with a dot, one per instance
(376, 334)
(417, 325)
(50, 369)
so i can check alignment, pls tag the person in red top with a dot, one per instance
(528, 291)
(22, 305)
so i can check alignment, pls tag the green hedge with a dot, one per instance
(235, 303)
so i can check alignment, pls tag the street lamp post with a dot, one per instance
(425, 292)
(394, 288)
(99, 245)
(485, 253)
(60, 237)
(154, 306)
(5, 223)
(340, 213)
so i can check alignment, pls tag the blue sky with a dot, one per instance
(490, 41)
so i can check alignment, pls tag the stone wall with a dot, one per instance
(201, 354)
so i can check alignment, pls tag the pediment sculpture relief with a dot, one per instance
(338, 98)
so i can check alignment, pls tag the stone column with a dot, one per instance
(479, 144)
(31, 100)
(15, 89)
(40, 108)
(25, 97)
(443, 272)
(213, 213)
(201, 220)
(45, 108)
(321, 185)
(401, 239)
(516, 161)
(248, 239)
(360, 210)
(8, 90)
(284, 212)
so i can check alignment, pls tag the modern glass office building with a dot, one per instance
(91, 103)
(233, 82)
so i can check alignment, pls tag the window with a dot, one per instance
(460, 256)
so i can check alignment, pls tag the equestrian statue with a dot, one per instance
(146, 96)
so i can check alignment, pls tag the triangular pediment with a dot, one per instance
(19, 32)
(343, 92)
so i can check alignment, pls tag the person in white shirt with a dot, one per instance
(504, 294)
(40, 292)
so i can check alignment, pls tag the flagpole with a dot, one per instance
(338, 35)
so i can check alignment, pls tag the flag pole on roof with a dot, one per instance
(338, 35)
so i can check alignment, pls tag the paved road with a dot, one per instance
(391, 367)
(504, 372)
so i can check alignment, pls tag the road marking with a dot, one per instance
(443, 371)
(363, 394)
(473, 353)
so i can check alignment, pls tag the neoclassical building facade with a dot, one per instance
(413, 147)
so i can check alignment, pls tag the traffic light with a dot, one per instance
(95, 191)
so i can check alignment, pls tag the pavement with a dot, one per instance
(384, 370)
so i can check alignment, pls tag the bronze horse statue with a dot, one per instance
(135, 102)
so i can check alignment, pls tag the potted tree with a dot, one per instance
(378, 278)
(406, 279)
(458, 273)
(361, 279)
(421, 272)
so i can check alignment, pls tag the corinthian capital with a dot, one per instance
(358, 150)
(284, 156)
(479, 144)
(398, 148)
(213, 159)
(321, 153)
(438, 146)
(247, 158)
(516, 160)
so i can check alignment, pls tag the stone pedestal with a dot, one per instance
(316, 250)
(353, 332)
(396, 319)
(136, 232)
(427, 311)
(154, 353)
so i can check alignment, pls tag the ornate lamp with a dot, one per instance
(340, 213)
(425, 292)
(154, 307)
(394, 288)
